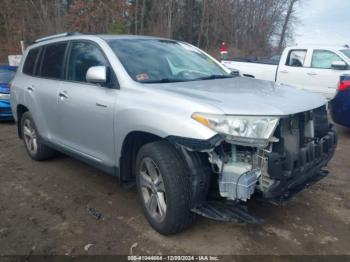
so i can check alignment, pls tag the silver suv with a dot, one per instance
(167, 117)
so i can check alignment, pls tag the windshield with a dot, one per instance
(161, 61)
(346, 52)
(6, 76)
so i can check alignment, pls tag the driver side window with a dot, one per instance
(324, 59)
(296, 58)
(84, 55)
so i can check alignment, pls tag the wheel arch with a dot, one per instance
(197, 164)
(131, 145)
(21, 109)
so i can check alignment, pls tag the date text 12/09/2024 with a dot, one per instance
(173, 258)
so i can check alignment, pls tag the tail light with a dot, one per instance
(344, 83)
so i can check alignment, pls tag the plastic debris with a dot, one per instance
(95, 213)
(132, 247)
(86, 247)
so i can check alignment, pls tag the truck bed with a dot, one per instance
(259, 70)
(255, 60)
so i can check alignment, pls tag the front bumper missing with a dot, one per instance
(305, 170)
(308, 170)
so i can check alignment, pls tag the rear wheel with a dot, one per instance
(164, 188)
(32, 141)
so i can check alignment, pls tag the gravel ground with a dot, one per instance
(44, 210)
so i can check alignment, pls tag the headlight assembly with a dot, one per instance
(244, 130)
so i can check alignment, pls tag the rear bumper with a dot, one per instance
(306, 169)
(5, 110)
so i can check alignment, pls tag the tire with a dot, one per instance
(32, 141)
(173, 179)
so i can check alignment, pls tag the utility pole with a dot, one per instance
(136, 16)
(143, 10)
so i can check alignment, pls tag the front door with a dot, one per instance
(293, 72)
(321, 76)
(87, 110)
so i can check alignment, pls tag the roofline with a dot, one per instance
(102, 36)
(61, 38)
(50, 37)
(76, 35)
(335, 47)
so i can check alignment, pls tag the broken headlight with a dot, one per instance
(244, 130)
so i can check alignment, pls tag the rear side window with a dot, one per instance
(52, 63)
(29, 64)
(296, 58)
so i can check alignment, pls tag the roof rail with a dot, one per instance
(56, 36)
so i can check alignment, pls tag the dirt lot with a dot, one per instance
(43, 208)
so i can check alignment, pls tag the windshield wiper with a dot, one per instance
(215, 77)
(174, 80)
(163, 80)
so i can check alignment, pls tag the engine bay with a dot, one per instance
(300, 147)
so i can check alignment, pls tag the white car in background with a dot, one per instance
(317, 69)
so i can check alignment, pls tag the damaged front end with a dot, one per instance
(293, 157)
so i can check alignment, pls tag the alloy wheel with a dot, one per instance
(30, 137)
(153, 190)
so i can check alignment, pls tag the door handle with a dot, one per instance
(63, 95)
(312, 74)
(284, 72)
(101, 105)
(30, 88)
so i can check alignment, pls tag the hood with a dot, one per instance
(245, 96)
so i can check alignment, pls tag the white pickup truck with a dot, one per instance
(316, 69)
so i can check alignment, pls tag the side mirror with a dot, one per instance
(339, 65)
(97, 75)
(235, 73)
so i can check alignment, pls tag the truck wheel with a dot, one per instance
(164, 188)
(32, 142)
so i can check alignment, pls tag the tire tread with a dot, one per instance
(178, 178)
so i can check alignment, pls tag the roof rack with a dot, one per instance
(56, 36)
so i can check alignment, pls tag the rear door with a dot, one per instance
(321, 77)
(86, 110)
(41, 90)
(293, 71)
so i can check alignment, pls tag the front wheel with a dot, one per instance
(163, 186)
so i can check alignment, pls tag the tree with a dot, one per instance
(248, 26)
(143, 11)
(286, 23)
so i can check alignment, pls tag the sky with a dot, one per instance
(323, 22)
